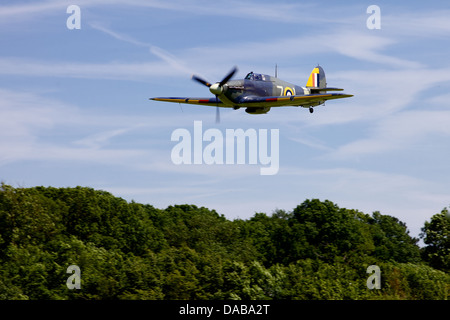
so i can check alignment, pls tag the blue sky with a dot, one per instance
(74, 106)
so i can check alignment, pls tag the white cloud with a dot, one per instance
(358, 45)
(172, 61)
(48, 130)
(113, 70)
(30, 123)
(239, 9)
(379, 94)
(431, 23)
(401, 131)
(365, 46)
(23, 11)
(101, 139)
(24, 112)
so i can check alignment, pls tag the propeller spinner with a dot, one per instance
(216, 88)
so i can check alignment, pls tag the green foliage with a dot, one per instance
(436, 234)
(413, 281)
(392, 241)
(330, 231)
(135, 251)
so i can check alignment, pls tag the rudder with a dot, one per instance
(317, 78)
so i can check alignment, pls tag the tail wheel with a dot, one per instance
(311, 110)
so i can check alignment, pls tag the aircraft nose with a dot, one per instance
(216, 88)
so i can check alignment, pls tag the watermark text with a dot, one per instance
(74, 281)
(374, 20)
(74, 20)
(374, 281)
(236, 146)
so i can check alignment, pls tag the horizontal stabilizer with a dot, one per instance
(316, 90)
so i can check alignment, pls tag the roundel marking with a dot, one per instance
(288, 91)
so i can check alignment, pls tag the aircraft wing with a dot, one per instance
(257, 101)
(281, 101)
(200, 101)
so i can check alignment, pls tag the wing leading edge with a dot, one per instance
(256, 101)
(200, 101)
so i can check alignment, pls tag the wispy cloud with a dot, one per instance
(398, 131)
(28, 10)
(357, 45)
(23, 116)
(239, 9)
(172, 66)
(98, 140)
(429, 23)
(114, 70)
(171, 60)
(366, 47)
(28, 120)
(119, 36)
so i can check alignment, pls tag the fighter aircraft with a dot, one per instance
(258, 93)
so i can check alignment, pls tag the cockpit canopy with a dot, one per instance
(257, 77)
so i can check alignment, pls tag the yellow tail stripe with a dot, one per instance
(310, 82)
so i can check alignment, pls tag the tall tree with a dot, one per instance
(331, 231)
(392, 240)
(436, 235)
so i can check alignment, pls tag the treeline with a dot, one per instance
(135, 251)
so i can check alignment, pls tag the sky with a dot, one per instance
(75, 108)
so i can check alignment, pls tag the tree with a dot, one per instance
(27, 217)
(392, 240)
(436, 235)
(135, 251)
(331, 231)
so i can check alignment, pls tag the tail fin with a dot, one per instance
(317, 78)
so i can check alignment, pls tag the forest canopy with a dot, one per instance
(128, 250)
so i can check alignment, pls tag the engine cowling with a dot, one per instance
(257, 110)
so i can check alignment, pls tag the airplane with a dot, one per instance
(258, 93)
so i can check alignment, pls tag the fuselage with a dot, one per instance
(259, 85)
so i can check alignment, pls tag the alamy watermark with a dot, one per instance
(74, 20)
(374, 281)
(374, 20)
(228, 148)
(74, 281)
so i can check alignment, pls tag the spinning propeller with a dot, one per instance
(216, 88)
